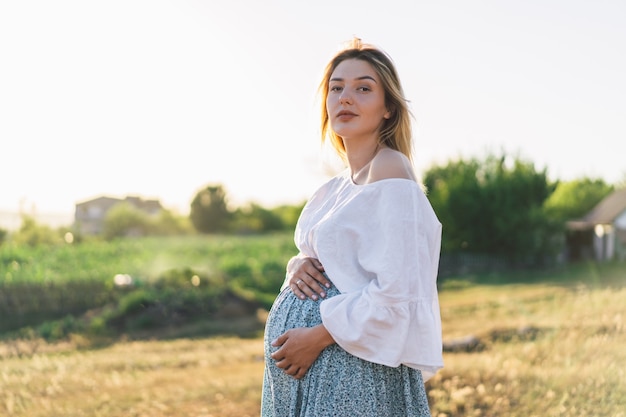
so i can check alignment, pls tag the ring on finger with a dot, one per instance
(298, 282)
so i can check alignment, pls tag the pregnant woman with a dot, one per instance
(356, 329)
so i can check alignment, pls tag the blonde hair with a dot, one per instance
(396, 131)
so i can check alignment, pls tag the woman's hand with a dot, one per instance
(306, 278)
(299, 348)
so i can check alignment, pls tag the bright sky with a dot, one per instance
(161, 98)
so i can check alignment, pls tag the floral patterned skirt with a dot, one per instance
(337, 384)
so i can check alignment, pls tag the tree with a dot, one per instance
(289, 214)
(169, 223)
(124, 219)
(493, 206)
(209, 212)
(256, 219)
(573, 199)
(33, 234)
(453, 191)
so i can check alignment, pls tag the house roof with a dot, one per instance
(134, 200)
(605, 212)
(98, 200)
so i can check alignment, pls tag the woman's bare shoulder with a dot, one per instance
(390, 163)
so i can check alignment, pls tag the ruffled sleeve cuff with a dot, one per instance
(408, 333)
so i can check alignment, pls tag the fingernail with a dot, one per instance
(302, 297)
(328, 285)
(314, 297)
(322, 294)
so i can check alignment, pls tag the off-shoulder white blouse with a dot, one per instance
(379, 244)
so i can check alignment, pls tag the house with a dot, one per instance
(89, 215)
(601, 233)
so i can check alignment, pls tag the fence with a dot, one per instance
(461, 263)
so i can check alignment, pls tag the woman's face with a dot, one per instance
(356, 100)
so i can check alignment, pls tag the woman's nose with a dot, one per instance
(345, 97)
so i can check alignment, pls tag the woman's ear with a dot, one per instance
(389, 111)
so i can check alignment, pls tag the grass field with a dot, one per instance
(550, 344)
(44, 283)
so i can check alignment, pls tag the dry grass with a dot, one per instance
(217, 377)
(572, 364)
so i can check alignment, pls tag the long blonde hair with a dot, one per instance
(396, 131)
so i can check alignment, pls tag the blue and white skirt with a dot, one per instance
(338, 384)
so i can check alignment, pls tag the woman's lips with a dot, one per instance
(345, 115)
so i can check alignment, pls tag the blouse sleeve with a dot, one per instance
(395, 318)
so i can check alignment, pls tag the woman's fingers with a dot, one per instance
(292, 370)
(307, 278)
(295, 288)
(317, 264)
(315, 276)
(301, 373)
(308, 286)
(309, 282)
(279, 341)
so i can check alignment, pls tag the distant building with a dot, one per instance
(89, 215)
(601, 233)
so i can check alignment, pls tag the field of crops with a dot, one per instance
(142, 258)
(62, 282)
(542, 344)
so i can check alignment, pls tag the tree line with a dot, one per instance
(209, 213)
(498, 205)
(504, 207)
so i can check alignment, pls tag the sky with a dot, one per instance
(161, 98)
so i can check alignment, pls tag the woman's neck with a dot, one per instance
(359, 156)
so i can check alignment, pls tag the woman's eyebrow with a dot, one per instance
(364, 77)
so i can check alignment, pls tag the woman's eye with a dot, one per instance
(364, 89)
(335, 88)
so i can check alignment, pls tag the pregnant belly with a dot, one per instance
(289, 312)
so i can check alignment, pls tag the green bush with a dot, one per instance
(136, 302)
(59, 329)
(173, 280)
(180, 278)
(3, 235)
(33, 234)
